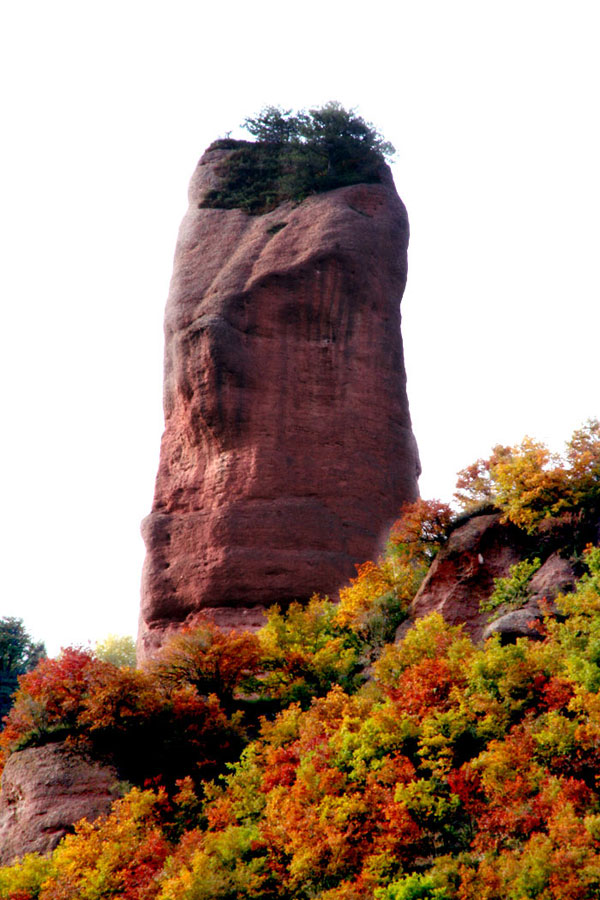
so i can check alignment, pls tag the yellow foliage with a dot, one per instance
(25, 877)
(529, 483)
(113, 856)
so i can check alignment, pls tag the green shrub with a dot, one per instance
(513, 590)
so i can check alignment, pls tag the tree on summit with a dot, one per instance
(273, 125)
(343, 138)
(298, 154)
(323, 148)
(336, 133)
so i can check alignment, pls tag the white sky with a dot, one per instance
(106, 108)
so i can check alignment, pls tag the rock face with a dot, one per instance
(288, 449)
(44, 791)
(462, 576)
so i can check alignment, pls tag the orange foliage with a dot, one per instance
(52, 694)
(372, 582)
(211, 660)
(382, 591)
(421, 529)
(119, 855)
(427, 686)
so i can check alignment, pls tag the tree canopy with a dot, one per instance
(329, 128)
(298, 154)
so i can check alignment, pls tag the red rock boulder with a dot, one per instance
(44, 791)
(288, 448)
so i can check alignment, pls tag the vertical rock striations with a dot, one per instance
(288, 448)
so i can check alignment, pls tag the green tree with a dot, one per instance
(273, 125)
(18, 654)
(343, 140)
(295, 155)
(513, 590)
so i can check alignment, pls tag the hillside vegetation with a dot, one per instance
(319, 759)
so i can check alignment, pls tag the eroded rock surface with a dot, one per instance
(288, 449)
(463, 572)
(462, 577)
(44, 791)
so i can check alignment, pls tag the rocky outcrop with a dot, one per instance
(288, 449)
(555, 577)
(44, 790)
(462, 577)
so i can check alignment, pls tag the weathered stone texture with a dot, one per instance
(463, 573)
(288, 449)
(44, 790)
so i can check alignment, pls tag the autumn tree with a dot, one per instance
(583, 460)
(305, 652)
(51, 697)
(211, 660)
(376, 601)
(421, 529)
(528, 483)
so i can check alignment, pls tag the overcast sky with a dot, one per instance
(106, 108)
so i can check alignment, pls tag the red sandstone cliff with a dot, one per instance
(288, 448)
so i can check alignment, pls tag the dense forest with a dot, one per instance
(321, 759)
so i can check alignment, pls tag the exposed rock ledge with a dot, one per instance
(44, 790)
(462, 576)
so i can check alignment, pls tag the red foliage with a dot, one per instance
(282, 763)
(466, 784)
(521, 797)
(53, 693)
(220, 814)
(426, 686)
(138, 878)
(393, 828)
(557, 693)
